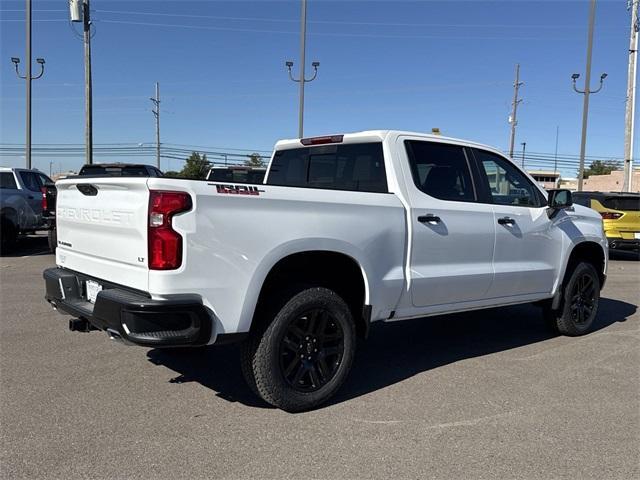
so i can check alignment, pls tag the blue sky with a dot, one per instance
(384, 64)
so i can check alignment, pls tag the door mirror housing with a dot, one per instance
(558, 199)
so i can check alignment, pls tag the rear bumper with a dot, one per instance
(130, 316)
(623, 243)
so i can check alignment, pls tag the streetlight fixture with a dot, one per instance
(524, 148)
(302, 80)
(586, 92)
(28, 77)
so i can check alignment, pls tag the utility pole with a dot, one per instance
(631, 100)
(555, 158)
(28, 77)
(87, 83)
(302, 80)
(586, 92)
(156, 113)
(524, 147)
(80, 11)
(514, 109)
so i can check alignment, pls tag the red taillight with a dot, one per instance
(165, 244)
(610, 215)
(322, 140)
(44, 199)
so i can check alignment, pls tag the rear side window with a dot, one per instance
(7, 181)
(441, 170)
(357, 167)
(30, 181)
(628, 203)
(236, 175)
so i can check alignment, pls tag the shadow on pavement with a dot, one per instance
(633, 255)
(394, 351)
(29, 245)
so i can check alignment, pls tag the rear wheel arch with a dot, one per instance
(336, 271)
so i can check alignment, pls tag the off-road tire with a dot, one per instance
(261, 353)
(8, 235)
(567, 320)
(52, 237)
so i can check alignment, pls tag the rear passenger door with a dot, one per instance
(452, 234)
(528, 244)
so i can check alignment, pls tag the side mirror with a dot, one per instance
(558, 199)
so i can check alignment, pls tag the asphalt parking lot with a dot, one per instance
(485, 395)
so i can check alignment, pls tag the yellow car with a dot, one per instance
(620, 216)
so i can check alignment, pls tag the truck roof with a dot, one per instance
(380, 135)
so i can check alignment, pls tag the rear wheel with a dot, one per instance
(8, 235)
(53, 239)
(301, 358)
(579, 307)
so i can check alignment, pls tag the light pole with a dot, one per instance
(302, 80)
(524, 148)
(586, 92)
(28, 77)
(630, 113)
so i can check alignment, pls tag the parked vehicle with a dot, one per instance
(20, 203)
(237, 174)
(347, 230)
(620, 214)
(49, 192)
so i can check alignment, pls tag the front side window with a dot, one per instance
(356, 167)
(507, 185)
(440, 170)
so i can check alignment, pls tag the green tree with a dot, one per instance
(599, 167)
(196, 166)
(255, 160)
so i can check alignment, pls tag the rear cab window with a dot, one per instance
(355, 167)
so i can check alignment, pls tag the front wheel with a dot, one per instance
(302, 357)
(579, 307)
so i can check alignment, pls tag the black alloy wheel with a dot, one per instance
(311, 350)
(583, 299)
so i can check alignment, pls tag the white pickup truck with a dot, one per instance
(346, 230)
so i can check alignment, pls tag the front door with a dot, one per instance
(528, 244)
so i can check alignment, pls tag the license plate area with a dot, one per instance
(92, 288)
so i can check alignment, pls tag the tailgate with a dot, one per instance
(102, 228)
